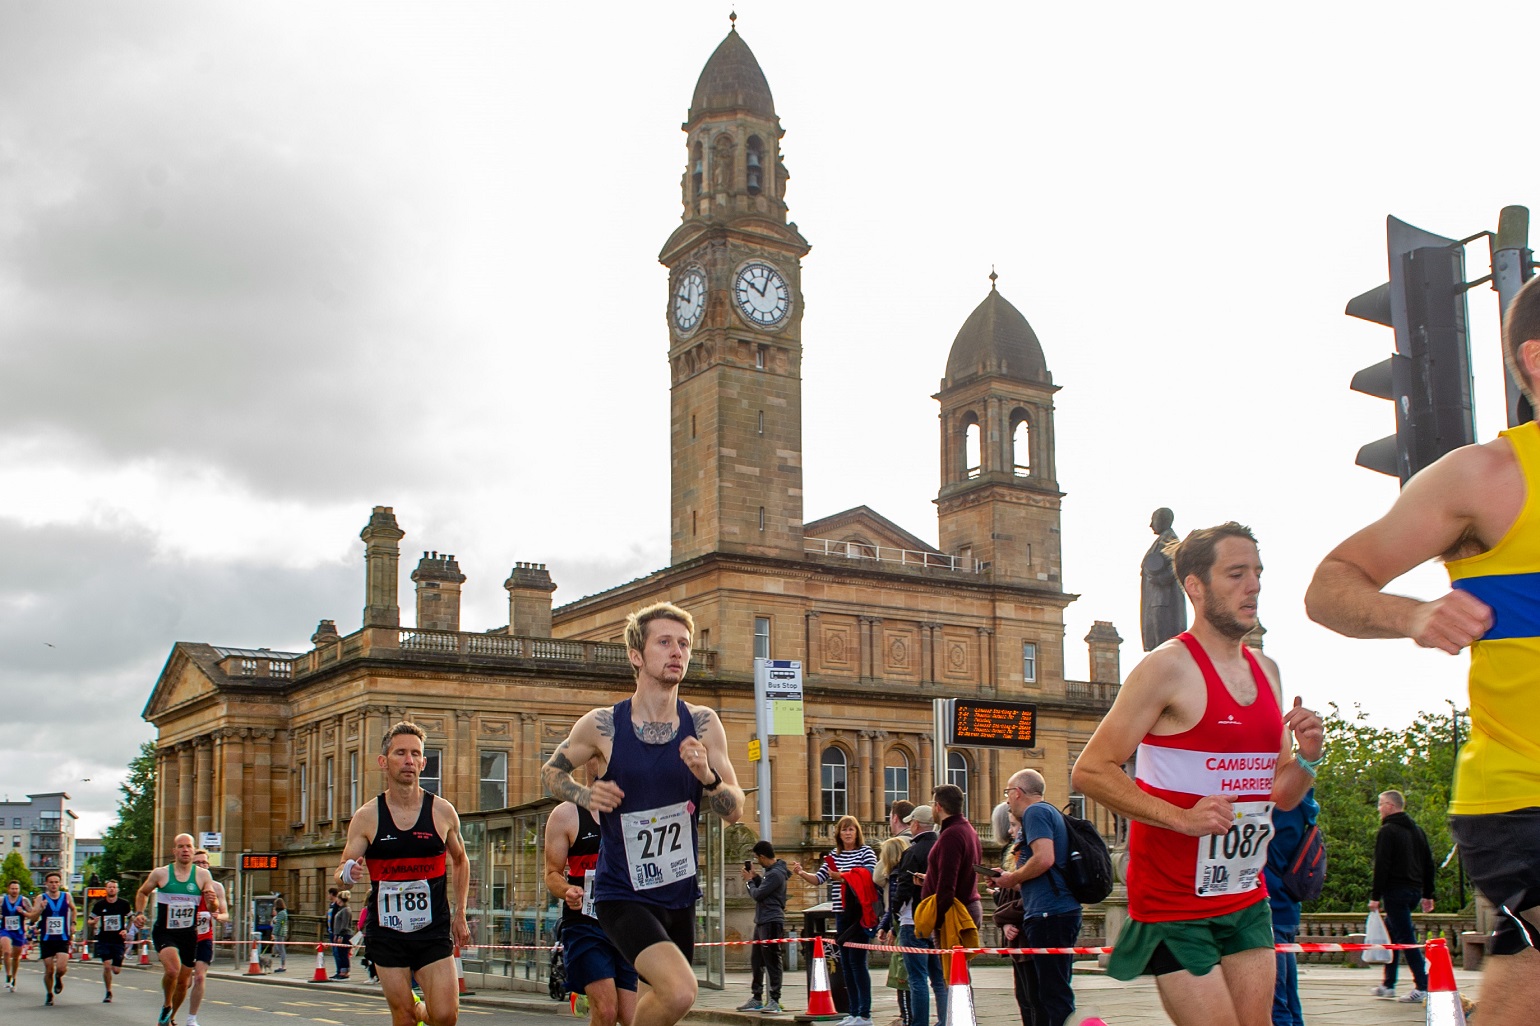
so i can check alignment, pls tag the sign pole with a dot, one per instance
(940, 717)
(762, 734)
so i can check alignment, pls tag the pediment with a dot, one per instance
(865, 525)
(184, 679)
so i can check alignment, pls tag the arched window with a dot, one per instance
(895, 778)
(957, 773)
(697, 169)
(755, 159)
(1021, 443)
(972, 452)
(834, 792)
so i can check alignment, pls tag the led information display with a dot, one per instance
(989, 724)
(251, 861)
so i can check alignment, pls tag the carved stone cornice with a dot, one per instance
(528, 717)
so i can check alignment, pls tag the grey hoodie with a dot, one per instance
(769, 893)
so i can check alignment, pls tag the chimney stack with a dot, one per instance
(529, 600)
(1104, 641)
(325, 634)
(382, 575)
(438, 579)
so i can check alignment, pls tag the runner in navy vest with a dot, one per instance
(594, 966)
(56, 909)
(178, 889)
(404, 835)
(13, 936)
(109, 918)
(659, 756)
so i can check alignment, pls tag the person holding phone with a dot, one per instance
(850, 851)
(769, 894)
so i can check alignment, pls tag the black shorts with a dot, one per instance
(634, 927)
(185, 942)
(110, 951)
(204, 952)
(49, 948)
(1501, 852)
(392, 949)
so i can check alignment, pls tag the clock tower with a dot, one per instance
(734, 318)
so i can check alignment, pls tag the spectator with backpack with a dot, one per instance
(1050, 915)
(1293, 836)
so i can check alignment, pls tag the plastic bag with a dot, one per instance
(1375, 933)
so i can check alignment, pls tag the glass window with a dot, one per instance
(328, 802)
(833, 783)
(1029, 661)
(431, 778)
(895, 779)
(304, 794)
(352, 780)
(957, 773)
(761, 637)
(494, 780)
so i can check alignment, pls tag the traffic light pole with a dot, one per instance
(1512, 266)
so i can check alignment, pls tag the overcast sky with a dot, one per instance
(263, 266)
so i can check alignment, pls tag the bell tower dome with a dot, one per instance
(999, 500)
(734, 315)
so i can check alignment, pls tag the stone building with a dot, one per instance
(275, 749)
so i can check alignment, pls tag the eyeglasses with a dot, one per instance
(1008, 790)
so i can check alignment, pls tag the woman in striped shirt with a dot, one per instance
(850, 851)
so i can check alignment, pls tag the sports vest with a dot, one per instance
(11, 913)
(407, 893)
(1232, 750)
(111, 919)
(1499, 766)
(56, 917)
(648, 845)
(205, 920)
(582, 860)
(177, 901)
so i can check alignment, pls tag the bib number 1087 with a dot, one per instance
(1241, 841)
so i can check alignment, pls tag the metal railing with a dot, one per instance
(917, 559)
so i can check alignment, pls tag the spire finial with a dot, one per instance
(992, 277)
(732, 19)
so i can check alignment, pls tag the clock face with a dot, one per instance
(762, 295)
(689, 298)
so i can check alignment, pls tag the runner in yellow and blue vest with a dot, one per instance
(1478, 509)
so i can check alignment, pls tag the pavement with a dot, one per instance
(1332, 995)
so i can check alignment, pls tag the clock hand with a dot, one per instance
(758, 289)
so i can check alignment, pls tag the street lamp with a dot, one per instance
(1459, 866)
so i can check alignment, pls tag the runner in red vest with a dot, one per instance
(1215, 753)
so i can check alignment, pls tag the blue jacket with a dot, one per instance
(1289, 830)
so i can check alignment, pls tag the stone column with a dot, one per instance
(382, 577)
(986, 656)
(528, 754)
(863, 782)
(814, 662)
(879, 773)
(182, 818)
(928, 651)
(232, 809)
(169, 766)
(815, 745)
(990, 444)
(923, 770)
(467, 766)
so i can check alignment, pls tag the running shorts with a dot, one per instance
(591, 957)
(185, 942)
(1191, 945)
(634, 927)
(110, 951)
(1501, 852)
(391, 949)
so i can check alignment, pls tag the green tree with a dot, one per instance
(1361, 762)
(128, 843)
(15, 868)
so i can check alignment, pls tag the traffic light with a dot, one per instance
(1428, 377)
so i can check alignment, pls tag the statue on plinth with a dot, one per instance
(1162, 603)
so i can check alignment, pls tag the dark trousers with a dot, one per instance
(1397, 906)
(765, 959)
(1055, 997)
(1024, 982)
(853, 963)
(1286, 1008)
(925, 978)
(341, 952)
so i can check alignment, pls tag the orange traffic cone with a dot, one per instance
(959, 1002)
(85, 952)
(320, 964)
(144, 952)
(1443, 1001)
(460, 973)
(254, 967)
(820, 1001)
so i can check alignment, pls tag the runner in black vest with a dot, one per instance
(594, 966)
(404, 836)
(109, 918)
(660, 759)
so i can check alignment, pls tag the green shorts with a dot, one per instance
(1194, 945)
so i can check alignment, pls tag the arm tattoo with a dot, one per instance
(724, 802)
(702, 719)
(560, 761)
(557, 777)
(604, 721)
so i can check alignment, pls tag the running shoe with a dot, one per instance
(165, 1016)
(107, 999)
(772, 1007)
(1414, 997)
(47, 998)
(58, 985)
(751, 1005)
(1385, 992)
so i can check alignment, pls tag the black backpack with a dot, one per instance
(1088, 869)
(1305, 875)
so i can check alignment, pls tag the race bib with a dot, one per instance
(587, 907)
(404, 905)
(205, 923)
(112, 924)
(13, 924)
(659, 848)
(53, 926)
(1231, 863)
(181, 917)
